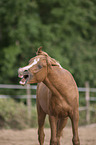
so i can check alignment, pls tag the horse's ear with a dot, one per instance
(39, 50)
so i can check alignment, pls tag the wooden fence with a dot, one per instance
(28, 88)
(88, 98)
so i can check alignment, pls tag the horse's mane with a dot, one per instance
(50, 61)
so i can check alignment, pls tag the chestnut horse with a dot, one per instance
(57, 95)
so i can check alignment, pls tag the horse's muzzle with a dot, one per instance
(24, 75)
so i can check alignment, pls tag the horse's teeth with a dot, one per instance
(20, 76)
(22, 83)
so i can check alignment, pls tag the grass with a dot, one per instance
(14, 115)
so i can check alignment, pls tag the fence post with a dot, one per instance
(87, 97)
(29, 100)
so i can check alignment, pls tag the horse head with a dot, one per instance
(37, 69)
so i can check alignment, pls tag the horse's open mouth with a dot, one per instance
(24, 77)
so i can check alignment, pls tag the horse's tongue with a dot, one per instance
(23, 81)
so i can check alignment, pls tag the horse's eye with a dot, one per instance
(39, 66)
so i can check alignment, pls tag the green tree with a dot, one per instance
(66, 30)
(19, 31)
(69, 34)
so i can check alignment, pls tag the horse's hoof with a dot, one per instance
(76, 142)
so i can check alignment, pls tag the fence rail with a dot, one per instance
(28, 96)
(3, 86)
(18, 96)
(12, 86)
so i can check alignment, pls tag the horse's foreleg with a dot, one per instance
(75, 120)
(53, 125)
(41, 120)
(61, 124)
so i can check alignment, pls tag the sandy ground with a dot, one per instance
(29, 137)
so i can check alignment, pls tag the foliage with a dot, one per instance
(15, 115)
(66, 30)
(71, 34)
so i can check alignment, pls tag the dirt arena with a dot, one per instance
(29, 137)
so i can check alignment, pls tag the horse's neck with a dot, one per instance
(54, 76)
(51, 82)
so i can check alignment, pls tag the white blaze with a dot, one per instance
(29, 66)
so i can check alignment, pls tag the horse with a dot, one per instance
(57, 95)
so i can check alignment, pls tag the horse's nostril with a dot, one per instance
(26, 71)
(20, 70)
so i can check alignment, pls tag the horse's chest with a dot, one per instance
(58, 108)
